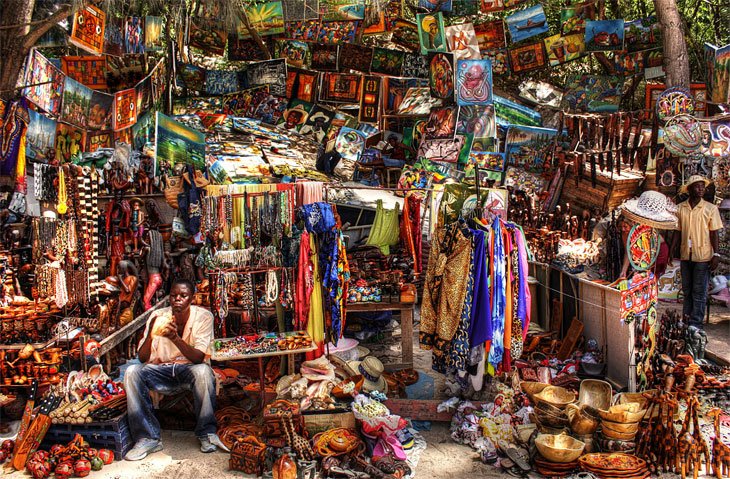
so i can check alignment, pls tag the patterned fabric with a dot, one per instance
(480, 328)
(318, 217)
(499, 296)
(14, 125)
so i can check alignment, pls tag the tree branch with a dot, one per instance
(32, 37)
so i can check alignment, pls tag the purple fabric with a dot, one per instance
(524, 303)
(480, 328)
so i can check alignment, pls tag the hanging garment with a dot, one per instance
(509, 253)
(498, 297)
(385, 231)
(304, 283)
(15, 122)
(480, 328)
(410, 230)
(445, 286)
(315, 317)
(524, 306)
(318, 217)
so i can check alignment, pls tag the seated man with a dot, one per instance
(174, 359)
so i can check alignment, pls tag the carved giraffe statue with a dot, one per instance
(702, 449)
(687, 448)
(720, 451)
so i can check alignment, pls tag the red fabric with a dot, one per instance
(410, 230)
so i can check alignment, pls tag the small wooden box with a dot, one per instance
(316, 423)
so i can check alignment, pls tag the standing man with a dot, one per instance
(174, 357)
(699, 223)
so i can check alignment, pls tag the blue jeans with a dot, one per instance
(140, 379)
(695, 277)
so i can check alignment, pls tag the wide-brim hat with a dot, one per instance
(717, 284)
(692, 180)
(300, 109)
(652, 209)
(136, 199)
(372, 370)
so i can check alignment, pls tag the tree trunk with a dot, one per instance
(12, 50)
(676, 58)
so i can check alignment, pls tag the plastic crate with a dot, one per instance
(113, 434)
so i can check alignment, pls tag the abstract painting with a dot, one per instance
(99, 139)
(417, 101)
(441, 124)
(87, 31)
(415, 65)
(114, 36)
(340, 87)
(395, 89)
(220, 82)
(406, 34)
(477, 120)
(447, 150)
(527, 23)
(295, 10)
(370, 100)
(500, 60)
(89, 71)
(350, 143)
(441, 76)
(473, 82)
(462, 41)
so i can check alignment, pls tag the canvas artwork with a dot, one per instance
(718, 73)
(527, 57)
(387, 62)
(431, 33)
(101, 111)
(318, 122)
(144, 96)
(158, 80)
(395, 89)
(342, 10)
(123, 136)
(270, 110)
(219, 82)
(492, 5)
(271, 73)
(461, 8)
(477, 120)
(208, 39)
(266, 18)
(415, 65)
(306, 30)
(526, 23)
(143, 131)
(441, 124)
(417, 101)
(636, 63)
(462, 41)
(521, 180)
(96, 140)
(47, 81)
(87, 31)
(89, 71)
(561, 49)
(134, 35)
(509, 112)
(374, 21)
(305, 85)
(350, 143)
(573, 16)
(296, 115)
(593, 93)
(406, 33)
(176, 143)
(447, 150)
(499, 59)
(324, 56)
(337, 32)
(431, 5)
(125, 71)
(295, 52)
(153, 29)
(76, 100)
(491, 164)
(604, 35)
(296, 10)
(441, 76)
(370, 100)
(125, 109)
(642, 34)
(529, 147)
(340, 87)
(541, 93)
(40, 138)
(354, 57)
(473, 82)
(490, 35)
(70, 142)
(114, 36)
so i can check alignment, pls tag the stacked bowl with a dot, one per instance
(619, 425)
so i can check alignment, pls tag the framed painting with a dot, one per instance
(177, 143)
(89, 71)
(527, 23)
(340, 87)
(431, 33)
(87, 31)
(490, 35)
(441, 76)
(697, 90)
(99, 139)
(125, 109)
(527, 57)
(473, 82)
(642, 34)
(41, 137)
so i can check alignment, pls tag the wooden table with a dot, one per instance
(406, 324)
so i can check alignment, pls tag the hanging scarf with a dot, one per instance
(480, 328)
(14, 126)
(499, 298)
(524, 306)
(410, 229)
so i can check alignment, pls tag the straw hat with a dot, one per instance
(692, 180)
(652, 209)
(372, 370)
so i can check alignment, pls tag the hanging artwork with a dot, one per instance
(350, 144)
(295, 52)
(406, 34)
(41, 137)
(271, 73)
(208, 39)
(698, 91)
(99, 139)
(541, 93)
(441, 124)
(431, 32)
(125, 71)
(158, 80)
(89, 71)
(415, 65)
(635, 63)
(337, 32)
(499, 59)
(340, 87)
(527, 57)
(354, 57)
(528, 147)
(492, 5)
(604, 35)
(573, 16)
(47, 81)
(716, 141)
(593, 93)
(441, 76)
(431, 5)
(473, 82)
(511, 113)
(87, 31)
(302, 30)
(642, 34)
(176, 143)
(76, 100)
(324, 57)
(491, 164)
(370, 100)
(134, 35)
(395, 89)
(295, 10)
(219, 82)
(520, 180)
(318, 122)
(153, 40)
(527, 23)
(114, 36)
(303, 85)
(562, 49)
(266, 18)
(718, 73)
(417, 101)
(342, 10)
(70, 142)
(270, 110)
(672, 102)
(462, 41)
(124, 136)
(191, 77)
(387, 62)
(125, 109)
(446, 150)
(490, 35)
(143, 132)
(101, 111)
(477, 120)
(462, 8)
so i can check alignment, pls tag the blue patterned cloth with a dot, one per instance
(500, 296)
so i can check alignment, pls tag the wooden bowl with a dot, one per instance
(559, 448)
(595, 393)
(546, 406)
(556, 396)
(531, 388)
(625, 413)
(621, 427)
(611, 434)
(352, 384)
(551, 420)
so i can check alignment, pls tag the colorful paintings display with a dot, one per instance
(529, 147)
(153, 39)
(387, 62)
(406, 34)
(101, 111)
(350, 143)
(76, 102)
(125, 109)
(370, 100)
(477, 120)
(89, 71)
(206, 38)
(266, 18)
(490, 35)
(134, 35)
(562, 49)
(473, 82)
(593, 93)
(41, 137)
(492, 163)
(642, 34)
(191, 77)
(573, 16)
(176, 143)
(431, 5)
(355, 57)
(441, 124)
(417, 101)
(295, 52)
(342, 10)
(70, 142)
(114, 36)
(499, 59)
(462, 41)
(527, 57)
(446, 150)
(415, 65)
(87, 31)
(431, 32)
(441, 76)
(340, 87)
(47, 81)
(324, 56)
(271, 73)
(318, 122)
(511, 113)
(337, 32)
(220, 82)
(697, 90)
(527, 23)
(604, 35)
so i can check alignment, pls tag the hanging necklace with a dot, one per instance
(62, 207)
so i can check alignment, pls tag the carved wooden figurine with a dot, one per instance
(720, 451)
